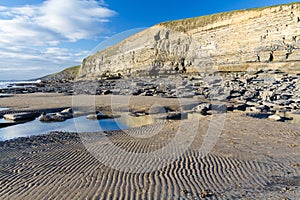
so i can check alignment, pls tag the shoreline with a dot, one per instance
(133, 109)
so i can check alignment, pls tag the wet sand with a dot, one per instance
(230, 156)
(37, 101)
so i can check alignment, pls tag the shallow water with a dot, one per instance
(136, 121)
(12, 84)
(79, 124)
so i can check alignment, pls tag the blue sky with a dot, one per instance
(41, 37)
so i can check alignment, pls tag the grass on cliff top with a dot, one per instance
(184, 25)
(70, 72)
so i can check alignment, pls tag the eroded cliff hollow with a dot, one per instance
(235, 40)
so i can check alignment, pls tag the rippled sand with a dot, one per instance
(234, 157)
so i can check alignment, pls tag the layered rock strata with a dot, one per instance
(243, 40)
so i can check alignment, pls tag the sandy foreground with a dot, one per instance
(223, 156)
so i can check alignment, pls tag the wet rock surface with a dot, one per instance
(25, 116)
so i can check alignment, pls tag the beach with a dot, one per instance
(194, 107)
(249, 158)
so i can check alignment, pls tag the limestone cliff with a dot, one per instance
(231, 40)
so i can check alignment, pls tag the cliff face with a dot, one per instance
(221, 41)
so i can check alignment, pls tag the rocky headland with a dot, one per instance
(254, 39)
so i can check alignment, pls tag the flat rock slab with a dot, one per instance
(20, 116)
(100, 117)
(177, 116)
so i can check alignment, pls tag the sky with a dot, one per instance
(42, 37)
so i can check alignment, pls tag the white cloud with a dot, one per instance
(15, 69)
(31, 35)
(74, 20)
(53, 21)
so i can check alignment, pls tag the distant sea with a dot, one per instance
(6, 84)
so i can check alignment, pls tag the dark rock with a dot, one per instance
(218, 108)
(286, 96)
(237, 106)
(20, 116)
(241, 107)
(106, 92)
(177, 115)
(100, 116)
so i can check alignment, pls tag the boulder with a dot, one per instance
(55, 117)
(275, 117)
(67, 113)
(68, 110)
(92, 116)
(44, 117)
(250, 95)
(202, 108)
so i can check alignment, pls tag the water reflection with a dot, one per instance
(136, 121)
(71, 125)
(2, 109)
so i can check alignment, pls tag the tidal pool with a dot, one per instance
(2, 109)
(78, 124)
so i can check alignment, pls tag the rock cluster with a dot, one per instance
(57, 117)
(264, 91)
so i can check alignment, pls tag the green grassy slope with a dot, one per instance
(69, 73)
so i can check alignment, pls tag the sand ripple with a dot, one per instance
(64, 169)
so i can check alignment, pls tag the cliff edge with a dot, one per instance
(230, 41)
